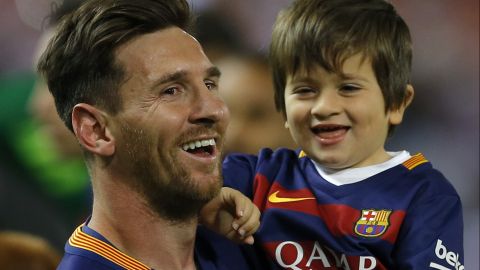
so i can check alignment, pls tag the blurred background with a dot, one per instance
(44, 188)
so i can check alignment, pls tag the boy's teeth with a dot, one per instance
(197, 144)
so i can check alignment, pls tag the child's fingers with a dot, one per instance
(236, 200)
(248, 224)
(245, 209)
(251, 212)
(234, 236)
(247, 216)
(249, 228)
(242, 205)
(249, 240)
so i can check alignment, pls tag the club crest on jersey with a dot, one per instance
(372, 223)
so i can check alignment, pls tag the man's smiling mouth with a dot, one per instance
(200, 147)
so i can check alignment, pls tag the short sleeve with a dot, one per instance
(432, 235)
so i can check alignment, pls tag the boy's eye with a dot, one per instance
(349, 87)
(303, 90)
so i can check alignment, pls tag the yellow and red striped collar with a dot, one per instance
(82, 240)
(414, 161)
(410, 164)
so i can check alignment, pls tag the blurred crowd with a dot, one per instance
(44, 187)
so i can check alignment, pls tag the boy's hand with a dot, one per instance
(233, 215)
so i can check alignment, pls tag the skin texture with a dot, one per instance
(339, 120)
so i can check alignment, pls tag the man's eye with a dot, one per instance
(170, 91)
(210, 85)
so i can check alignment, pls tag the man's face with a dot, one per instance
(169, 133)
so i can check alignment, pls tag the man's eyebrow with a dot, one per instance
(170, 77)
(213, 72)
(179, 75)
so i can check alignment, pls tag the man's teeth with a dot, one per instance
(197, 144)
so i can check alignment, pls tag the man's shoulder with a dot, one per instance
(214, 251)
(78, 262)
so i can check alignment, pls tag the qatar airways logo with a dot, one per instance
(291, 255)
(452, 258)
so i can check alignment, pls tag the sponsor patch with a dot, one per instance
(372, 223)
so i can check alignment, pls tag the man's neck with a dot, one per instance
(121, 216)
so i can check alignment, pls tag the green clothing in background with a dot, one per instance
(65, 181)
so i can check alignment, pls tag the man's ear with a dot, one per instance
(396, 115)
(90, 127)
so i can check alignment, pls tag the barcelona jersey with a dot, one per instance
(404, 217)
(88, 250)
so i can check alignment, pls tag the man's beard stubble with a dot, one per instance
(177, 198)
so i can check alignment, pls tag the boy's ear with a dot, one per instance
(91, 129)
(396, 115)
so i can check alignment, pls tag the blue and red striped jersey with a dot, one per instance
(406, 217)
(87, 249)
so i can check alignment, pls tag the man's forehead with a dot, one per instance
(165, 42)
(164, 51)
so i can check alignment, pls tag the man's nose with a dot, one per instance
(209, 108)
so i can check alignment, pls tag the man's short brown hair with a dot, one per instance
(79, 62)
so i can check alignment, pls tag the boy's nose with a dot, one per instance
(326, 104)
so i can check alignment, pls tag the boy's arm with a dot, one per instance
(432, 235)
(231, 214)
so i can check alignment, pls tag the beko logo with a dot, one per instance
(450, 257)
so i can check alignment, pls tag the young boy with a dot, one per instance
(341, 72)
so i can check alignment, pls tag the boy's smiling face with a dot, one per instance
(339, 120)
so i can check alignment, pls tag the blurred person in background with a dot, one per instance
(247, 88)
(22, 251)
(44, 182)
(218, 37)
(52, 151)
